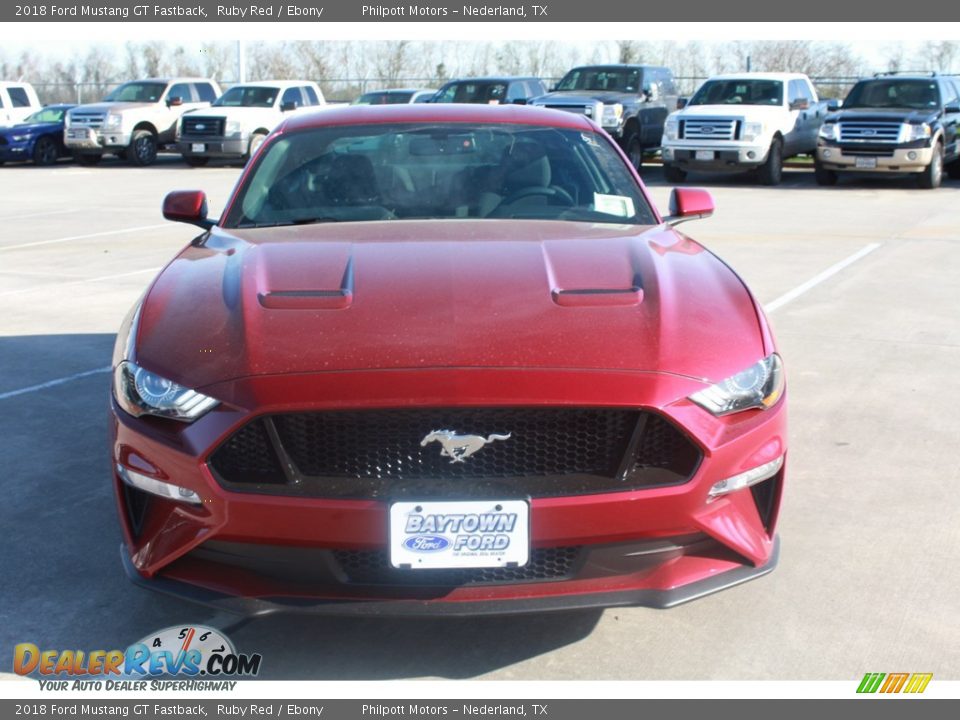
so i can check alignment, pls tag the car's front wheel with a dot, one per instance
(143, 148)
(771, 172)
(932, 175)
(256, 140)
(635, 151)
(45, 151)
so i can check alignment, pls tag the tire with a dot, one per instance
(932, 175)
(196, 160)
(771, 172)
(87, 159)
(953, 170)
(143, 148)
(256, 140)
(823, 176)
(45, 151)
(674, 174)
(634, 151)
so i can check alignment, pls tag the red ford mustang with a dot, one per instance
(445, 359)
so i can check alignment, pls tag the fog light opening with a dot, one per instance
(911, 155)
(157, 487)
(751, 154)
(827, 153)
(745, 479)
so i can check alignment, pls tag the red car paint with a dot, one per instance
(448, 313)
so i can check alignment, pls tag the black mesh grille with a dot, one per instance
(379, 453)
(373, 568)
(202, 126)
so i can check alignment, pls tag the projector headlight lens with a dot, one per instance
(141, 392)
(759, 386)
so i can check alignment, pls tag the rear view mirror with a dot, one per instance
(952, 108)
(174, 101)
(188, 206)
(689, 204)
(833, 105)
(682, 103)
(799, 104)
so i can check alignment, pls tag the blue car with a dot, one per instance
(38, 138)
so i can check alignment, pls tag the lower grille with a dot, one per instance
(374, 568)
(203, 126)
(536, 452)
(868, 150)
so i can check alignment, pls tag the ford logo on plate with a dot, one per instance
(426, 543)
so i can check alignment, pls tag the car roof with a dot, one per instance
(441, 112)
(276, 83)
(760, 76)
(618, 66)
(169, 80)
(399, 90)
(493, 78)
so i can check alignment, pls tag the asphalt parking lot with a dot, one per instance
(870, 527)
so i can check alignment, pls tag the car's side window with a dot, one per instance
(312, 98)
(205, 92)
(182, 91)
(291, 95)
(18, 97)
(515, 91)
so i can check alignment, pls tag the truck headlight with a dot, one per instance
(912, 133)
(112, 120)
(232, 127)
(611, 115)
(141, 392)
(751, 131)
(671, 129)
(830, 131)
(759, 386)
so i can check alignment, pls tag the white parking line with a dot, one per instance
(52, 383)
(819, 278)
(83, 237)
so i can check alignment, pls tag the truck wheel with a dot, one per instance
(674, 174)
(771, 172)
(87, 159)
(823, 176)
(143, 148)
(931, 176)
(196, 160)
(635, 151)
(256, 140)
(45, 151)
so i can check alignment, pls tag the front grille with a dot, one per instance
(869, 131)
(374, 568)
(203, 126)
(709, 129)
(577, 109)
(86, 119)
(379, 453)
(868, 150)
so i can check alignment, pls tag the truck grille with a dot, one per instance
(869, 131)
(203, 126)
(587, 110)
(378, 453)
(709, 129)
(81, 119)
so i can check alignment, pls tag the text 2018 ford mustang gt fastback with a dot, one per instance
(445, 359)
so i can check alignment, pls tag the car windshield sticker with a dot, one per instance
(613, 205)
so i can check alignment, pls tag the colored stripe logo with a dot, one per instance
(894, 682)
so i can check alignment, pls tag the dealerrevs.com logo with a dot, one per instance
(894, 683)
(203, 655)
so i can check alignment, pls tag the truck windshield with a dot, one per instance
(894, 93)
(739, 92)
(601, 78)
(147, 92)
(353, 173)
(261, 97)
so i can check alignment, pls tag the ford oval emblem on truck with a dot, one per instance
(426, 543)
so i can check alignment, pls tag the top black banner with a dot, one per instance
(733, 11)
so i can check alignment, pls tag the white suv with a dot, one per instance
(17, 101)
(237, 123)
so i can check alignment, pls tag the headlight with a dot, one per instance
(232, 127)
(141, 392)
(611, 114)
(830, 131)
(751, 131)
(912, 133)
(759, 386)
(112, 120)
(671, 129)
(20, 138)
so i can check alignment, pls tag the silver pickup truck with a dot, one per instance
(136, 120)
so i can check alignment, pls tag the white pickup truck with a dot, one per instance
(240, 120)
(747, 121)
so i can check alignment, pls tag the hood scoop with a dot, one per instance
(581, 278)
(305, 277)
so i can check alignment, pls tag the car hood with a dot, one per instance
(885, 115)
(106, 107)
(759, 111)
(587, 96)
(446, 293)
(31, 128)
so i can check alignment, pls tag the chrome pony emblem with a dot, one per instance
(459, 447)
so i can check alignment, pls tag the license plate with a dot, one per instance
(704, 155)
(80, 134)
(197, 147)
(866, 162)
(468, 534)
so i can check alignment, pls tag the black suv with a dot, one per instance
(631, 102)
(490, 91)
(893, 123)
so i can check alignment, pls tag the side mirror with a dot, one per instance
(689, 204)
(952, 108)
(174, 101)
(188, 206)
(834, 105)
(519, 101)
(288, 106)
(682, 103)
(800, 104)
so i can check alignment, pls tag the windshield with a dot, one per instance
(384, 98)
(261, 97)
(893, 93)
(146, 92)
(473, 92)
(601, 78)
(47, 115)
(438, 171)
(739, 92)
